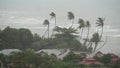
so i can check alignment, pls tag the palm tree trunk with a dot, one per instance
(54, 27)
(88, 33)
(103, 44)
(44, 33)
(72, 23)
(101, 33)
(96, 44)
(81, 33)
(55, 21)
(48, 30)
(85, 42)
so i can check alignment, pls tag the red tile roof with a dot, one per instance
(88, 61)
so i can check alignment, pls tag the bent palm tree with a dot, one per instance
(88, 26)
(100, 22)
(87, 39)
(95, 39)
(46, 22)
(53, 15)
(81, 25)
(71, 17)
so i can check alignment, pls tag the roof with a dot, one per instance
(89, 61)
(80, 52)
(113, 55)
(60, 53)
(99, 52)
(9, 51)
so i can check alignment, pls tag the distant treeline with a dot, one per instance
(23, 38)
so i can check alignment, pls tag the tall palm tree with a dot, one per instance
(100, 22)
(95, 39)
(46, 23)
(53, 15)
(88, 26)
(81, 25)
(71, 17)
(87, 39)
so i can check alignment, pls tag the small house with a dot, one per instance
(60, 53)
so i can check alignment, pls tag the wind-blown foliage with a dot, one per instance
(95, 39)
(53, 15)
(81, 26)
(71, 17)
(100, 22)
(46, 22)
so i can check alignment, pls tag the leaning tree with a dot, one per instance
(46, 23)
(71, 17)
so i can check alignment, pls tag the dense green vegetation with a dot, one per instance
(15, 38)
(22, 38)
(116, 65)
(29, 59)
(106, 58)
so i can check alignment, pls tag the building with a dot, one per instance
(9, 51)
(99, 54)
(114, 57)
(60, 53)
(81, 53)
(88, 61)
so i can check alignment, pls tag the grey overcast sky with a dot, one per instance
(31, 13)
(61, 4)
(84, 8)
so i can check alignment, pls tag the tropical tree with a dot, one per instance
(88, 26)
(100, 22)
(96, 36)
(71, 17)
(81, 26)
(46, 22)
(66, 38)
(53, 15)
(95, 39)
(87, 39)
(71, 57)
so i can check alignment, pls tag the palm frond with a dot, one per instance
(52, 14)
(70, 16)
(46, 22)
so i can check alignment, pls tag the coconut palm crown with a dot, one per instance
(100, 22)
(53, 15)
(46, 22)
(71, 17)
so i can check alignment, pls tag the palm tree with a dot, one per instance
(100, 22)
(81, 25)
(53, 15)
(46, 22)
(95, 39)
(71, 17)
(87, 39)
(88, 25)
